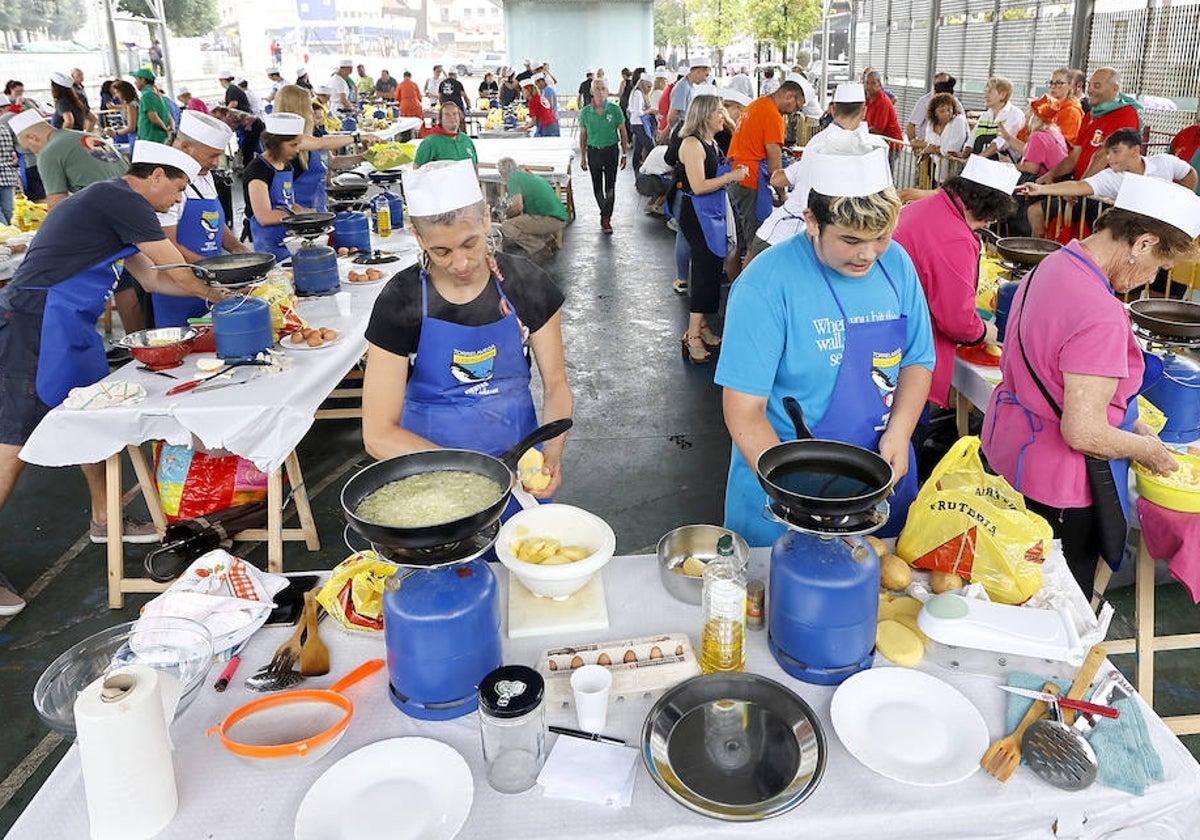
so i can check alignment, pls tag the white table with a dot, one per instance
(262, 421)
(222, 798)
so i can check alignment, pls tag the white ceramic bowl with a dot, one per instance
(571, 526)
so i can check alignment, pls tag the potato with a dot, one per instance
(879, 545)
(529, 470)
(894, 573)
(297, 337)
(910, 621)
(692, 567)
(357, 277)
(306, 332)
(992, 349)
(941, 582)
(899, 644)
(905, 608)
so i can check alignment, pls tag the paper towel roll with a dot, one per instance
(125, 752)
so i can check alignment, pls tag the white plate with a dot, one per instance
(909, 726)
(399, 788)
(286, 344)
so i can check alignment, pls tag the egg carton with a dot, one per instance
(641, 667)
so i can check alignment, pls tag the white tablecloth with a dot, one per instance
(554, 152)
(262, 421)
(222, 798)
(975, 382)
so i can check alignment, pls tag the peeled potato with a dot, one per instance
(905, 608)
(992, 349)
(692, 567)
(899, 644)
(894, 573)
(941, 582)
(529, 470)
(910, 621)
(885, 606)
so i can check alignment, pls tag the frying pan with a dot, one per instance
(229, 271)
(347, 187)
(1022, 250)
(844, 464)
(1167, 318)
(305, 224)
(500, 470)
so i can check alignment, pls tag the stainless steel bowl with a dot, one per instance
(736, 747)
(699, 541)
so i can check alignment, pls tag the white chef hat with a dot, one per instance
(850, 92)
(536, 77)
(146, 151)
(440, 187)
(707, 89)
(662, 73)
(273, 71)
(323, 89)
(225, 74)
(1177, 206)
(346, 62)
(644, 77)
(301, 71)
(181, 91)
(61, 79)
(25, 121)
(849, 169)
(240, 80)
(991, 173)
(700, 61)
(204, 129)
(794, 77)
(284, 124)
(730, 94)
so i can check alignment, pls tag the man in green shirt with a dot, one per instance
(603, 141)
(154, 117)
(536, 217)
(446, 141)
(365, 84)
(70, 160)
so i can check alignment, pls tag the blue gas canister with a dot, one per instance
(352, 229)
(242, 328)
(315, 271)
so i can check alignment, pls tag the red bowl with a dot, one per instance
(160, 349)
(206, 340)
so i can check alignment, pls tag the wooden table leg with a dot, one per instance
(275, 521)
(116, 546)
(149, 487)
(1144, 622)
(303, 508)
(962, 414)
(1100, 583)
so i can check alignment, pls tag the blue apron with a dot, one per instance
(470, 385)
(71, 353)
(199, 230)
(852, 416)
(310, 184)
(268, 239)
(710, 213)
(763, 199)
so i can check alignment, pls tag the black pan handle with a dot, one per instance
(539, 435)
(990, 234)
(792, 407)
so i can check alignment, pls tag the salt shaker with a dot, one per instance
(512, 724)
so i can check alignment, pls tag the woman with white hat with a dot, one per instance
(450, 339)
(835, 318)
(270, 183)
(1062, 425)
(69, 110)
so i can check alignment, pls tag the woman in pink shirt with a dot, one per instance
(1072, 370)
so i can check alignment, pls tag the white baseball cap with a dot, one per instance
(61, 79)
(849, 175)
(225, 74)
(204, 129)
(850, 92)
(991, 173)
(284, 124)
(146, 151)
(25, 121)
(181, 91)
(1168, 202)
(441, 187)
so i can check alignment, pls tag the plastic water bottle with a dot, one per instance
(722, 646)
(383, 216)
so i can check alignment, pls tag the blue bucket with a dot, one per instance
(1177, 395)
(352, 229)
(242, 328)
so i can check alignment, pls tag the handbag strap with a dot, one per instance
(1021, 346)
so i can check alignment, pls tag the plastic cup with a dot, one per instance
(343, 301)
(591, 684)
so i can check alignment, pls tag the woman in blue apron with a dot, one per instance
(835, 318)
(702, 177)
(1062, 424)
(450, 339)
(270, 184)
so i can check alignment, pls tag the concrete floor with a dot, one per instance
(648, 452)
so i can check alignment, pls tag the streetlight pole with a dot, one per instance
(113, 54)
(161, 19)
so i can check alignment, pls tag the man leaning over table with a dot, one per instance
(196, 224)
(48, 312)
(535, 215)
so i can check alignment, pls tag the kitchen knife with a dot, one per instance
(1064, 702)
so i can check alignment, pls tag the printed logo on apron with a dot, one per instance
(288, 192)
(210, 221)
(885, 373)
(473, 366)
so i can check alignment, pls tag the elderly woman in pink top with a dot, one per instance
(1062, 425)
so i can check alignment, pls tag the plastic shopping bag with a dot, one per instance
(975, 525)
(353, 595)
(193, 483)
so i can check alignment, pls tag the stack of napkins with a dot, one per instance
(589, 771)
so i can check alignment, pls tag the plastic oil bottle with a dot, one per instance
(383, 216)
(722, 646)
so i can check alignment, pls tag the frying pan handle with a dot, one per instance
(360, 673)
(202, 273)
(541, 434)
(792, 407)
(990, 235)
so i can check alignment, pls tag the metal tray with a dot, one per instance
(736, 747)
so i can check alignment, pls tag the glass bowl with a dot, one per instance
(177, 646)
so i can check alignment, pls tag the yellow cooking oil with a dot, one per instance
(722, 647)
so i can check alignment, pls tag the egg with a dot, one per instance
(297, 337)
(656, 652)
(604, 659)
(328, 334)
(315, 339)
(630, 656)
(577, 662)
(553, 666)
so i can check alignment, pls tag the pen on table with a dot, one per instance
(587, 736)
(223, 681)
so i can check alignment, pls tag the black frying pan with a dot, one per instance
(1022, 250)
(1167, 318)
(500, 470)
(228, 270)
(824, 478)
(347, 187)
(304, 224)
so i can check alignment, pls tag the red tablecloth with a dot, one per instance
(1175, 537)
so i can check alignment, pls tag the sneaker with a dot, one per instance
(606, 226)
(133, 531)
(10, 602)
(672, 226)
(680, 287)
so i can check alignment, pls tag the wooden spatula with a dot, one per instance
(314, 656)
(1004, 755)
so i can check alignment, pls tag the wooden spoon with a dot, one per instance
(314, 656)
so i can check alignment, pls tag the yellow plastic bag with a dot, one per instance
(353, 595)
(284, 317)
(975, 525)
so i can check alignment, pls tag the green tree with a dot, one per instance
(671, 25)
(185, 18)
(717, 23)
(64, 18)
(782, 24)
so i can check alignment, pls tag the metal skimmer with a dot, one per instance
(1059, 754)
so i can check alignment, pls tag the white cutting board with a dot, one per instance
(529, 615)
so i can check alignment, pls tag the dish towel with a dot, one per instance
(1126, 758)
(1173, 536)
(589, 771)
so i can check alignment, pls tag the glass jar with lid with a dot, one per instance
(512, 725)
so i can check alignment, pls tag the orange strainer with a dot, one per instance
(295, 727)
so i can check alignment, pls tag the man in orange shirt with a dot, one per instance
(408, 94)
(758, 145)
